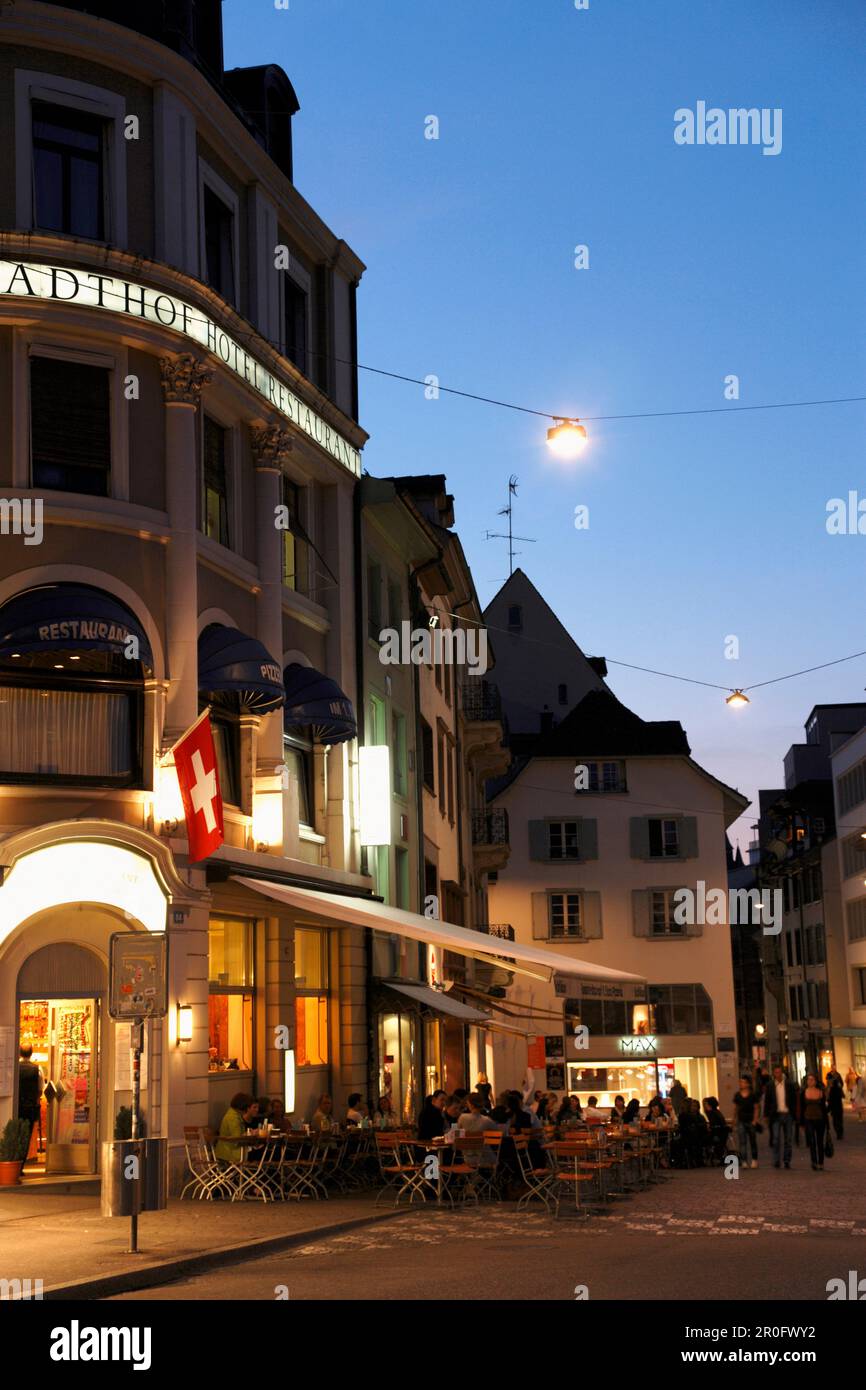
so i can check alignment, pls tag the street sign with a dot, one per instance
(138, 975)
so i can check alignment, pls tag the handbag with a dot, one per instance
(829, 1146)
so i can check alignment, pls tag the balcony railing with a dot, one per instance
(490, 827)
(481, 701)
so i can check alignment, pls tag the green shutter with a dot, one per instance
(539, 840)
(587, 837)
(639, 837)
(688, 834)
(640, 907)
(540, 917)
(590, 915)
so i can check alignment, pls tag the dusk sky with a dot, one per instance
(556, 128)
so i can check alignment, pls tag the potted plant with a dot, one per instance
(14, 1144)
(123, 1124)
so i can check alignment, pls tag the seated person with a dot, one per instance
(431, 1124)
(617, 1114)
(323, 1115)
(242, 1112)
(453, 1112)
(357, 1109)
(592, 1114)
(384, 1117)
(570, 1112)
(631, 1115)
(278, 1114)
(719, 1129)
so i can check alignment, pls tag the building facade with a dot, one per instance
(849, 785)
(175, 322)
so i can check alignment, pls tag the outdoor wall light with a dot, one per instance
(289, 1082)
(567, 439)
(184, 1023)
(736, 699)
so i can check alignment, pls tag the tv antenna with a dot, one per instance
(510, 537)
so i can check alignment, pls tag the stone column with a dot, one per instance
(183, 379)
(271, 447)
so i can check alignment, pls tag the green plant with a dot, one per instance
(15, 1141)
(123, 1124)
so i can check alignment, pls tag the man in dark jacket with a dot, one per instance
(781, 1104)
(29, 1087)
(836, 1101)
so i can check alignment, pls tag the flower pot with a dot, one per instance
(10, 1172)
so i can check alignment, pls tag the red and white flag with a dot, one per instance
(196, 764)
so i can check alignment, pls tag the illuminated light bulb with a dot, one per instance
(567, 439)
(736, 699)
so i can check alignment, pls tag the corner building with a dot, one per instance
(177, 409)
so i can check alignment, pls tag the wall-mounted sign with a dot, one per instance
(629, 991)
(556, 1077)
(554, 1046)
(89, 289)
(535, 1054)
(639, 1045)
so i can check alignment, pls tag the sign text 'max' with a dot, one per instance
(92, 290)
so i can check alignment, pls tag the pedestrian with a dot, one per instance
(813, 1108)
(745, 1117)
(858, 1098)
(781, 1106)
(29, 1088)
(836, 1101)
(718, 1127)
(484, 1089)
(678, 1096)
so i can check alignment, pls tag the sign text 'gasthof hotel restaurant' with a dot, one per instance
(93, 290)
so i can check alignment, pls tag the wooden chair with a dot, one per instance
(539, 1182)
(566, 1157)
(399, 1169)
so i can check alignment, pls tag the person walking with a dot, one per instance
(813, 1108)
(745, 1118)
(836, 1101)
(781, 1106)
(858, 1098)
(29, 1088)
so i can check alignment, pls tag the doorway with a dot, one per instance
(63, 1036)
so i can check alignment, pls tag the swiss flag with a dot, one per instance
(195, 761)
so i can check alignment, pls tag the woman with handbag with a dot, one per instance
(813, 1110)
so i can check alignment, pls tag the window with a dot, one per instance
(789, 948)
(662, 908)
(428, 775)
(298, 757)
(219, 253)
(59, 728)
(401, 876)
(855, 914)
(794, 1001)
(311, 997)
(230, 987)
(70, 426)
(440, 763)
(431, 880)
(446, 680)
(450, 756)
(296, 552)
(380, 860)
(563, 839)
(603, 776)
(297, 314)
(860, 986)
(562, 694)
(68, 171)
(226, 741)
(820, 946)
(564, 914)
(854, 857)
(374, 600)
(664, 839)
(680, 1009)
(395, 605)
(376, 731)
(515, 618)
(398, 748)
(852, 786)
(215, 507)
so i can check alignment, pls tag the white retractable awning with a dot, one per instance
(438, 999)
(366, 912)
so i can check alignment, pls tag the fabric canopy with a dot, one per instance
(231, 662)
(315, 701)
(71, 617)
(366, 912)
(438, 999)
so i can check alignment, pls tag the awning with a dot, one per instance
(70, 618)
(366, 912)
(315, 701)
(231, 662)
(439, 1000)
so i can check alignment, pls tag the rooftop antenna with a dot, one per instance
(511, 538)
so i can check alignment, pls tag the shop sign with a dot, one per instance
(628, 991)
(639, 1046)
(89, 289)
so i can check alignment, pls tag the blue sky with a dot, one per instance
(556, 128)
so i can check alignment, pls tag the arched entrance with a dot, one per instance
(60, 994)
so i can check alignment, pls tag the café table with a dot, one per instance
(247, 1175)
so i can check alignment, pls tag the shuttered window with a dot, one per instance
(70, 426)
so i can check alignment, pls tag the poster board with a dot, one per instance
(138, 975)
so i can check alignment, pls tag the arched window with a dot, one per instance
(72, 667)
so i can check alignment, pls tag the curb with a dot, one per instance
(164, 1271)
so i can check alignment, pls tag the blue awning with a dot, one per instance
(231, 662)
(71, 617)
(316, 702)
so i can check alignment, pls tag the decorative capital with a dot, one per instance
(183, 378)
(271, 446)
